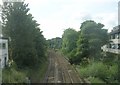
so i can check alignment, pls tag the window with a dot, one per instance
(0, 45)
(118, 46)
(118, 35)
(113, 36)
(110, 46)
(4, 46)
(113, 46)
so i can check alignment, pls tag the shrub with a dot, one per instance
(95, 80)
(95, 70)
(98, 70)
(84, 72)
(113, 73)
(11, 75)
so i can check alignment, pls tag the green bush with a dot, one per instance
(11, 75)
(113, 73)
(83, 72)
(95, 70)
(95, 80)
(37, 75)
(100, 70)
(110, 58)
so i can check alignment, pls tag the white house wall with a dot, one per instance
(3, 53)
(116, 41)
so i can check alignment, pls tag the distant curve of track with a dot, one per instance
(60, 70)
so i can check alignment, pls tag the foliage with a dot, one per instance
(91, 38)
(83, 48)
(107, 57)
(37, 75)
(94, 70)
(27, 44)
(55, 43)
(86, 43)
(11, 75)
(69, 37)
(100, 72)
(95, 80)
(113, 73)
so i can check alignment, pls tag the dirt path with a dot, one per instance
(60, 70)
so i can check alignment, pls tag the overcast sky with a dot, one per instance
(54, 16)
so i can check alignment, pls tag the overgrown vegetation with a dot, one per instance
(54, 43)
(69, 37)
(27, 45)
(83, 48)
(99, 72)
(26, 40)
(14, 74)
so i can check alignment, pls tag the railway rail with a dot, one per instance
(60, 70)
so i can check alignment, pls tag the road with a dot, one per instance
(60, 70)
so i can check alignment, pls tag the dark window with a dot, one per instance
(113, 36)
(5, 60)
(110, 36)
(0, 46)
(118, 46)
(118, 35)
(113, 46)
(109, 46)
(4, 46)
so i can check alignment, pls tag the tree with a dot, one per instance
(70, 36)
(40, 45)
(55, 43)
(24, 34)
(93, 37)
(80, 51)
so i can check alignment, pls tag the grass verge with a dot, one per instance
(99, 72)
(14, 75)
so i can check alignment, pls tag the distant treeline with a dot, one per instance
(55, 43)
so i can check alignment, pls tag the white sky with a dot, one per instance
(54, 16)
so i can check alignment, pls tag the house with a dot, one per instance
(3, 52)
(114, 41)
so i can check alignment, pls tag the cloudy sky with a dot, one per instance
(54, 16)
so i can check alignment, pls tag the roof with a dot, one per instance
(115, 30)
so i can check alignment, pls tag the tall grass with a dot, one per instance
(15, 75)
(11, 75)
(99, 72)
(37, 75)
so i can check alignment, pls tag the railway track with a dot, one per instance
(70, 71)
(60, 70)
(50, 78)
(65, 72)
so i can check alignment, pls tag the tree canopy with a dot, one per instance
(27, 44)
(55, 43)
(86, 43)
(70, 37)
